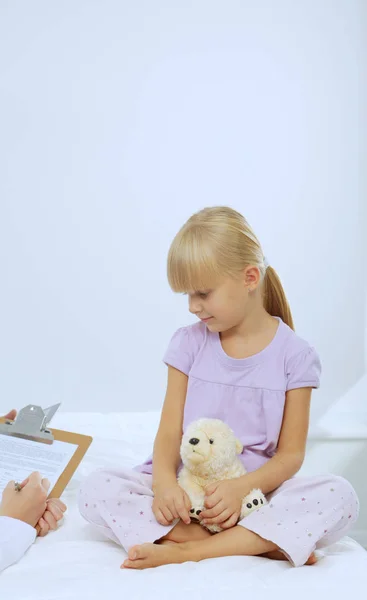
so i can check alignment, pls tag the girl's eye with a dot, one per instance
(211, 441)
(203, 294)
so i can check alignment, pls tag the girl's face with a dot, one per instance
(222, 307)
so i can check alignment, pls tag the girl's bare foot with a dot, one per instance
(167, 550)
(147, 556)
(278, 555)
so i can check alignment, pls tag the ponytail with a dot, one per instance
(275, 301)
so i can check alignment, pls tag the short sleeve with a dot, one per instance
(304, 370)
(183, 348)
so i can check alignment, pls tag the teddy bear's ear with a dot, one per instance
(239, 447)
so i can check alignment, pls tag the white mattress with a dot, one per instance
(76, 563)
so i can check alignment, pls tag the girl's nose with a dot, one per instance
(194, 306)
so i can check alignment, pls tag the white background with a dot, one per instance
(118, 120)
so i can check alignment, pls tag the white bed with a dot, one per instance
(76, 563)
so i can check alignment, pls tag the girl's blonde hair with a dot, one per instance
(217, 242)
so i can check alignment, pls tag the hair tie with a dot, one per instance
(266, 263)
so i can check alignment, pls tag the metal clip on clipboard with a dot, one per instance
(31, 424)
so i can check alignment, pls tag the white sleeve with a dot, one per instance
(15, 539)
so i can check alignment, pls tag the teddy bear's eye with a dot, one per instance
(211, 441)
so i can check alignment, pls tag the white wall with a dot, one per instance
(121, 119)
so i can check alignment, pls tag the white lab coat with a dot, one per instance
(15, 539)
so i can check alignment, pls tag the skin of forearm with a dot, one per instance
(270, 476)
(166, 460)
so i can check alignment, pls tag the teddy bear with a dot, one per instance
(209, 452)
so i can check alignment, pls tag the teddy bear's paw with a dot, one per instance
(254, 500)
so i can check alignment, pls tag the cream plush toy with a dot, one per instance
(209, 452)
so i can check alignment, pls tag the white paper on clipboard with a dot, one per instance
(20, 457)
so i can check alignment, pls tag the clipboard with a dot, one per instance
(32, 424)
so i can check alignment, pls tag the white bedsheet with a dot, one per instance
(76, 563)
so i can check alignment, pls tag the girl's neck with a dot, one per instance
(251, 336)
(256, 322)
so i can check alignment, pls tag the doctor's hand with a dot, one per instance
(30, 503)
(55, 509)
(11, 416)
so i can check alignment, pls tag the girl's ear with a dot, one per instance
(251, 277)
(239, 447)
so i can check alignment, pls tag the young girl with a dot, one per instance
(242, 363)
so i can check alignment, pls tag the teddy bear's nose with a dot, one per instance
(194, 441)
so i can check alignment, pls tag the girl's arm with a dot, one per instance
(291, 446)
(166, 453)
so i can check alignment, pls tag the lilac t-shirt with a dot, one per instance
(247, 393)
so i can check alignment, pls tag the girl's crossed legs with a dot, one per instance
(303, 514)
(194, 543)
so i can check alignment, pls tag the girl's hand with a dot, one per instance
(171, 502)
(54, 512)
(223, 500)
